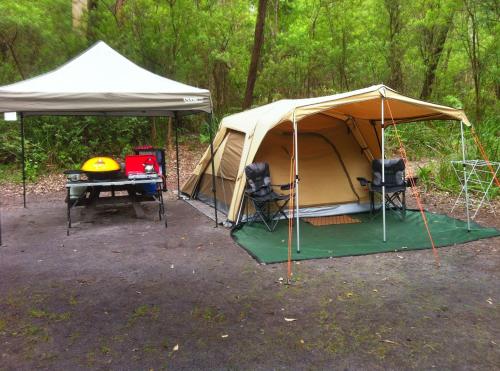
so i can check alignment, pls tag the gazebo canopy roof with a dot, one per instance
(100, 81)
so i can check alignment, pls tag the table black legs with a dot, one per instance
(68, 199)
(90, 196)
(161, 205)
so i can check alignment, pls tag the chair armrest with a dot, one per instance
(283, 187)
(363, 181)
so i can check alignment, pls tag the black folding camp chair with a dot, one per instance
(395, 185)
(268, 204)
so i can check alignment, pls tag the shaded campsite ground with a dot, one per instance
(124, 293)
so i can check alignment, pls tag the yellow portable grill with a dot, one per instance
(101, 168)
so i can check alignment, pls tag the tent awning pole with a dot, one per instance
(0, 223)
(210, 125)
(176, 116)
(296, 155)
(23, 161)
(465, 175)
(383, 169)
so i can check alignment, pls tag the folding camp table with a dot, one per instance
(91, 195)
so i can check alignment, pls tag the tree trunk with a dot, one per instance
(78, 8)
(344, 81)
(395, 52)
(220, 73)
(118, 6)
(257, 47)
(153, 131)
(91, 20)
(473, 53)
(434, 38)
(170, 134)
(11, 48)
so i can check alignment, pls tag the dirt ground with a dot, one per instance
(127, 294)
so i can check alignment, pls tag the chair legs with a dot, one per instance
(393, 201)
(264, 213)
(397, 202)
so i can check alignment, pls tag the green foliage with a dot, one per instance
(34, 37)
(439, 175)
(36, 159)
(205, 133)
(68, 141)
(65, 142)
(204, 136)
(9, 174)
(424, 174)
(311, 48)
(438, 143)
(10, 141)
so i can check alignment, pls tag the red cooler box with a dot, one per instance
(135, 165)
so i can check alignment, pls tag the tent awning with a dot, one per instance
(358, 104)
(365, 104)
(100, 81)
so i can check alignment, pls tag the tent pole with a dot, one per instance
(296, 155)
(210, 125)
(23, 161)
(0, 224)
(176, 115)
(465, 175)
(383, 170)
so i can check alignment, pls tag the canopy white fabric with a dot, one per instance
(100, 81)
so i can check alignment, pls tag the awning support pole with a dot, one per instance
(210, 125)
(0, 223)
(383, 170)
(296, 155)
(177, 122)
(465, 175)
(23, 161)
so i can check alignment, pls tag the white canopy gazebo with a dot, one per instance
(102, 82)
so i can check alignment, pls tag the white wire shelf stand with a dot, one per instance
(479, 180)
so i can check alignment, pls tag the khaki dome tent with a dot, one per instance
(338, 136)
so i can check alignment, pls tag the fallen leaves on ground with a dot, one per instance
(389, 341)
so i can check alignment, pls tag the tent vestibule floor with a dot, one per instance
(357, 239)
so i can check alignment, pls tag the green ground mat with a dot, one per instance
(357, 239)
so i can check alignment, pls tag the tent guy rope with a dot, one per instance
(485, 156)
(414, 189)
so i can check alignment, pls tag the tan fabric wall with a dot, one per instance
(323, 180)
(228, 156)
(190, 186)
(224, 189)
(227, 160)
(368, 130)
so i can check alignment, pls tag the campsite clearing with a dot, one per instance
(188, 297)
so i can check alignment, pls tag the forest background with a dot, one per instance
(249, 53)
